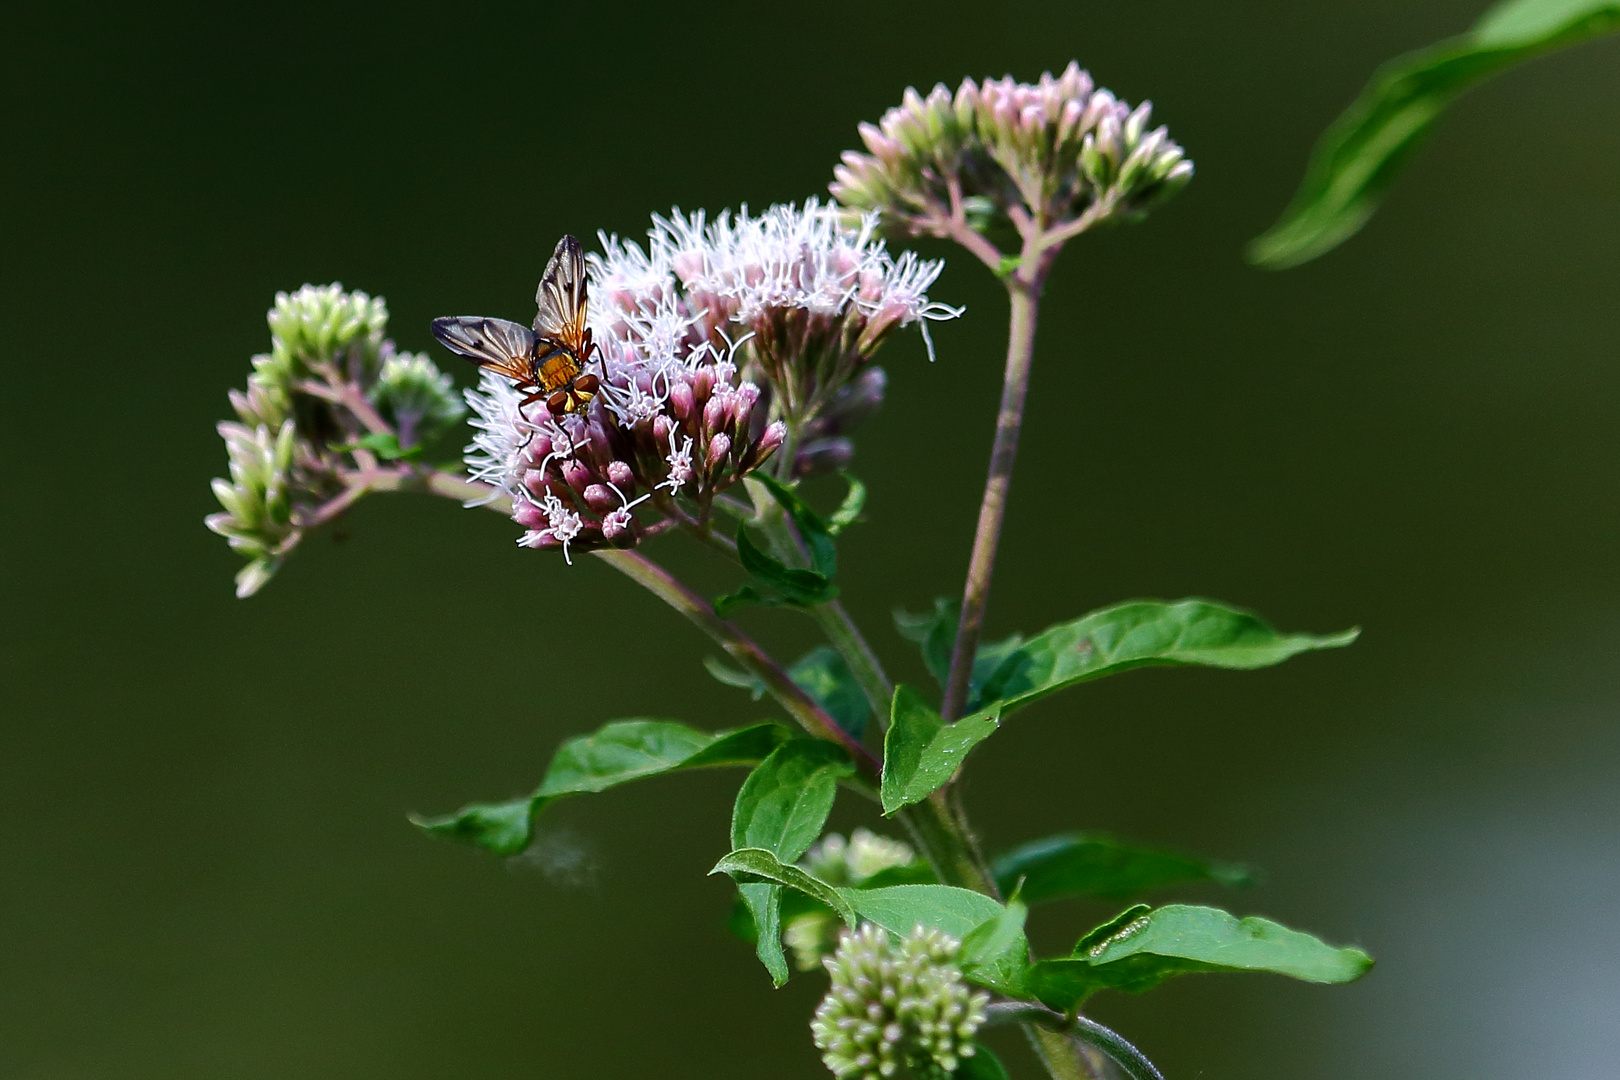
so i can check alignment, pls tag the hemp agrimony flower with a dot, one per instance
(807, 298)
(1007, 153)
(896, 1005)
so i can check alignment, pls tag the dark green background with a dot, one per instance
(207, 870)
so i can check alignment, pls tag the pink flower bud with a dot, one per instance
(680, 400)
(617, 523)
(576, 474)
(719, 447)
(600, 497)
(772, 438)
(620, 476)
(529, 515)
(662, 426)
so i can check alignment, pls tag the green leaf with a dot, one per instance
(749, 865)
(1142, 948)
(996, 953)
(921, 752)
(781, 809)
(849, 511)
(1143, 633)
(1361, 154)
(617, 753)
(935, 632)
(786, 799)
(812, 530)
(1094, 864)
(385, 444)
(822, 674)
(982, 1065)
(783, 584)
(900, 908)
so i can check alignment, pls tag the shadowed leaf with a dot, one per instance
(1093, 864)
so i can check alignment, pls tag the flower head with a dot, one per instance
(1003, 152)
(800, 299)
(896, 1004)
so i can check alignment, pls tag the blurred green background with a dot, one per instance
(207, 866)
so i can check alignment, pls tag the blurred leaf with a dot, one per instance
(935, 632)
(385, 444)
(849, 511)
(822, 674)
(1093, 864)
(982, 1065)
(615, 754)
(1141, 948)
(921, 752)
(1361, 154)
(781, 809)
(1143, 633)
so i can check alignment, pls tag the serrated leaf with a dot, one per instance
(1095, 864)
(1144, 633)
(921, 752)
(617, 753)
(849, 511)
(781, 809)
(1364, 150)
(1142, 948)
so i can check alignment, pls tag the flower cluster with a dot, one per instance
(1004, 152)
(807, 297)
(329, 371)
(718, 339)
(812, 935)
(896, 1004)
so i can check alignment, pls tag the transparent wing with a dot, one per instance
(561, 297)
(501, 346)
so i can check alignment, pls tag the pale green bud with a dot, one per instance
(416, 397)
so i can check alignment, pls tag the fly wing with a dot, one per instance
(496, 344)
(561, 296)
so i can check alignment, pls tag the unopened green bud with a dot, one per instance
(417, 398)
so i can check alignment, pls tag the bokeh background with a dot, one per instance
(207, 866)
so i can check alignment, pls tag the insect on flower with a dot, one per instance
(550, 360)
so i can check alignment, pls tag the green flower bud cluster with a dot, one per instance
(813, 934)
(330, 381)
(1005, 153)
(316, 329)
(257, 520)
(896, 1005)
(416, 397)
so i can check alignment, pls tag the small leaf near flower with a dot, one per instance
(849, 511)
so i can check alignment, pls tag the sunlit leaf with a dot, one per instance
(921, 752)
(1141, 948)
(1143, 633)
(1093, 864)
(996, 953)
(1361, 154)
(617, 753)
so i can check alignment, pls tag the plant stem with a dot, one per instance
(1110, 1042)
(741, 648)
(863, 663)
(1023, 289)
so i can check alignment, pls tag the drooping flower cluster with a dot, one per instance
(717, 339)
(896, 1005)
(1005, 152)
(812, 935)
(328, 364)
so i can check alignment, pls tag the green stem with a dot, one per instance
(863, 663)
(1024, 290)
(741, 648)
(1079, 1028)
